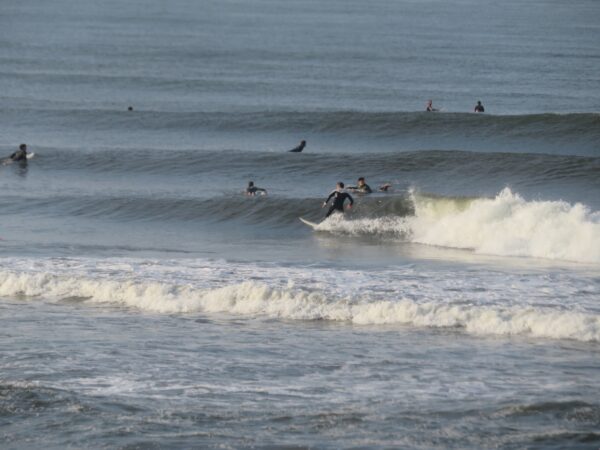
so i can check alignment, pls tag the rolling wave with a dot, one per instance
(505, 225)
(532, 168)
(566, 133)
(255, 298)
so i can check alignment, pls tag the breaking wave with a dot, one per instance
(506, 225)
(257, 298)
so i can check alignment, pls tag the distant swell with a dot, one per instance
(534, 167)
(568, 133)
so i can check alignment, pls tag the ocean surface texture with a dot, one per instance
(146, 302)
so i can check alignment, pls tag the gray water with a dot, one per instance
(145, 302)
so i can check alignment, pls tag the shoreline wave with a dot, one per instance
(257, 299)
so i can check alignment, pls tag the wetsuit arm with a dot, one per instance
(351, 199)
(329, 198)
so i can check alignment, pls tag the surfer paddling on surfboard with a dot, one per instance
(19, 156)
(299, 148)
(254, 190)
(339, 197)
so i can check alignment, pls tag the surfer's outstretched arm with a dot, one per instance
(328, 198)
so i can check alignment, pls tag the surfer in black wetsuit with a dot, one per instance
(479, 107)
(252, 190)
(299, 148)
(20, 155)
(338, 199)
(362, 188)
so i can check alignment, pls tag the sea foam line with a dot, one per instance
(258, 299)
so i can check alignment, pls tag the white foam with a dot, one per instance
(506, 225)
(392, 305)
(509, 225)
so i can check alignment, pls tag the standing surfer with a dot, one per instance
(339, 197)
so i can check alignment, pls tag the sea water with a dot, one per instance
(146, 302)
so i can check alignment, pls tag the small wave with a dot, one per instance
(260, 299)
(455, 166)
(567, 133)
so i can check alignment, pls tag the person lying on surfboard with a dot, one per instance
(339, 197)
(252, 190)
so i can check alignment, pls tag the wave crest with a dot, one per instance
(260, 299)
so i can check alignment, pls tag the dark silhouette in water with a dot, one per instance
(299, 148)
(252, 190)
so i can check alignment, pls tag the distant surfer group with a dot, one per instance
(478, 107)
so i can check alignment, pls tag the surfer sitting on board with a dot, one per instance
(361, 188)
(252, 190)
(430, 107)
(338, 199)
(479, 107)
(299, 148)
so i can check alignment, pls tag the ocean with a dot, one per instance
(146, 302)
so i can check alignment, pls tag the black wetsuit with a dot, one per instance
(364, 189)
(253, 190)
(479, 108)
(338, 201)
(19, 155)
(299, 148)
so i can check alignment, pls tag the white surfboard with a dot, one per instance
(7, 161)
(309, 223)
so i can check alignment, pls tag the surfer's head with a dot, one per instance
(250, 183)
(361, 181)
(23, 147)
(340, 185)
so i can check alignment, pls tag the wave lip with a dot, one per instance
(259, 299)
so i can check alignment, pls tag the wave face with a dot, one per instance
(506, 225)
(569, 134)
(505, 306)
